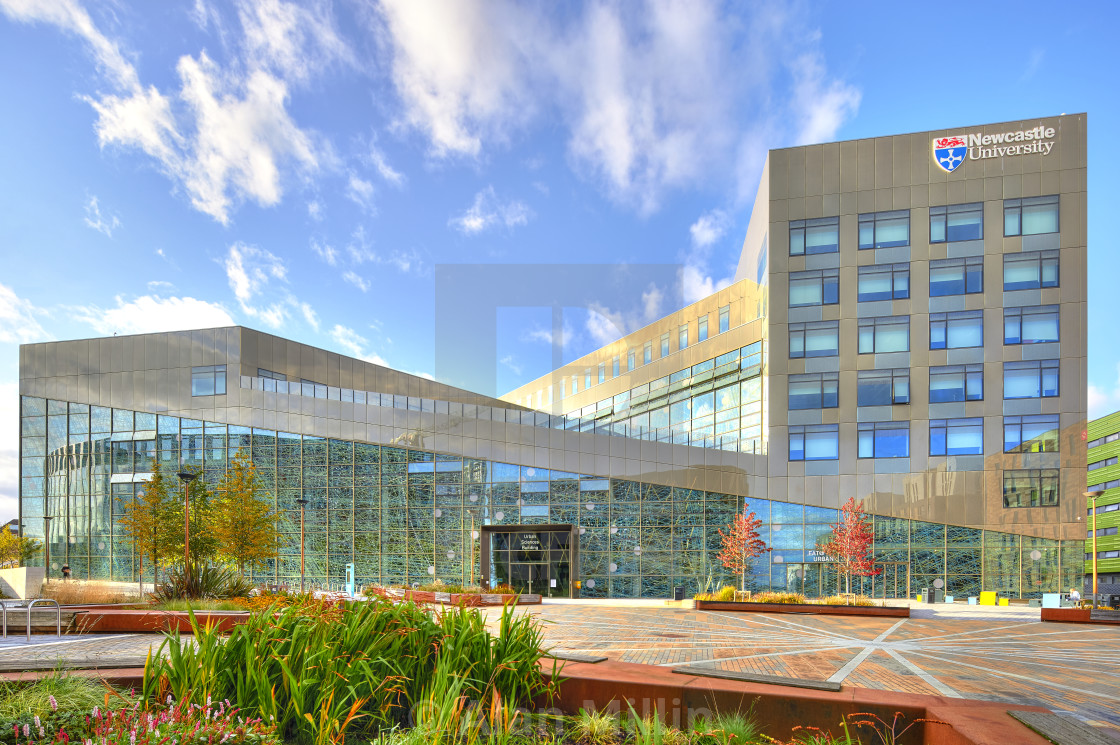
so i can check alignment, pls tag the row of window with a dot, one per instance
(1104, 485)
(1104, 555)
(947, 224)
(1102, 440)
(1102, 532)
(1104, 508)
(964, 436)
(1104, 463)
(961, 276)
(1037, 324)
(947, 384)
(644, 354)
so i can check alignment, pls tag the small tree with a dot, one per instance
(243, 519)
(850, 544)
(203, 543)
(17, 550)
(146, 521)
(741, 544)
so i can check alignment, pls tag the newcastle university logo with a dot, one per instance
(950, 152)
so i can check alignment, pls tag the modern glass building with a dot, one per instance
(907, 327)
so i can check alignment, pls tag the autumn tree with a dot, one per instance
(17, 550)
(243, 519)
(850, 544)
(741, 545)
(147, 521)
(203, 542)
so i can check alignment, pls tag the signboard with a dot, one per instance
(950, 152)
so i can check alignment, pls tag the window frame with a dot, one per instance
(969, 374)
(647, 353)
(1042, 366)
(875, 323)
(946, 426)
(724, 319)
(702, 329)
(1038, 490)
(947, 323)
(824, 399)
(1017, 314)
(945, 211)
(801, 431)
(1017, 424)
(875, 428)
(801, 228)
(804, 329)
(893, 271)
(1014, 207)
(969, 276)
(827, 283)
(664, 345)
(893, 376)
(1041, 260)
(215, 374)
(682, 337)
(874, 219)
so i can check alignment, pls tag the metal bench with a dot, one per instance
(6, 605)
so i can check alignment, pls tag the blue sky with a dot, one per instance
(302, 168)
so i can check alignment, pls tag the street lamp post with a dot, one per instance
(47, 548)
(302, 503)
(1093, 496)
(187, 477)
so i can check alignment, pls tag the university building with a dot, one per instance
(907, 326)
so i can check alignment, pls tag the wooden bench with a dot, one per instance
(1062, 730)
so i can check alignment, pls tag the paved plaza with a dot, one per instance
(996, 654)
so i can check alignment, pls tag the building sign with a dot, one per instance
(951, 152)
(528, 542)
(817, 556)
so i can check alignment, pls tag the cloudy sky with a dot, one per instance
(302, 168)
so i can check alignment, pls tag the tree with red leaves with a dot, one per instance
(850, 544)
(741, 544)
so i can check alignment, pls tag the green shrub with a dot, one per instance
(785, 598)
(209, 582)
(725, 594)
(595, 728)
(57, 702)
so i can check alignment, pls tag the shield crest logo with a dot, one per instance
(950, 152)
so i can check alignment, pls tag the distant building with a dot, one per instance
(1104, 473)
(12, 526)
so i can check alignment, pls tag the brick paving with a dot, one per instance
(1006, 655)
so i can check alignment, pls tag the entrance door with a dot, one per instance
(532, 559)
(893, 580)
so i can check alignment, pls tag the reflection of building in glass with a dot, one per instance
(896, 332)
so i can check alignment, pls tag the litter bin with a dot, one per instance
(678, 593)
(924, 592)
(937, 595)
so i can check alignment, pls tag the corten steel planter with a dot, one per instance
(810, 608)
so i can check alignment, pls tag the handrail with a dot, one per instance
(57, 617)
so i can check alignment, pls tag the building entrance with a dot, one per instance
(537, 559)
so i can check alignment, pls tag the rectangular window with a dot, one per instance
(616, 367)
(956, 276)
(820, 339)
(883, 440)
(587, 378)
(664, 346)
(1030, 325)
(1104, 463)
(631, 359)
(884, 334)
(1030, 487)
(819, 236)
(1030, 270)
(602, 371)
(884, 229)
(1030, 216)
(702, 329)
(724, 318)
(951, 383)
(817, 287)
(1030, 379)
(1030, 434)
(956, 222)
(270, 375)
(814, 442)
(956, 436)
(647, 353)
(956, 330)
(682, 337)
(208, 381)
(884, 282)
(1103, 440)
(883, 387)
(575, 384)
(814, 391)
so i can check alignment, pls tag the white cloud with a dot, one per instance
(354, 344)
(18, 324)
(511, 362)
(545, 336)
(488, 211)
(156, 285)
(315, 210)
(360, 192)
(695, 284)
(655, 96)
(250, 270)
(309, 315)
(101, 224)
(386, 171)
(152, 313)
(709, 228)
(325, 251)
(602, 328)
(1104, 399)
(355, 279)
(293, 41)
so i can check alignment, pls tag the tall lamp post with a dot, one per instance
(302, 504)
(187, 477)
(1093, 496)
(47, 548)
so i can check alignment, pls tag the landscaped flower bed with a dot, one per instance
(793, 602)
(466, 599)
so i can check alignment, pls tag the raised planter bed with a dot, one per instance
(1079, 615)
(466, 599)
(115, 621)
(820, 610)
